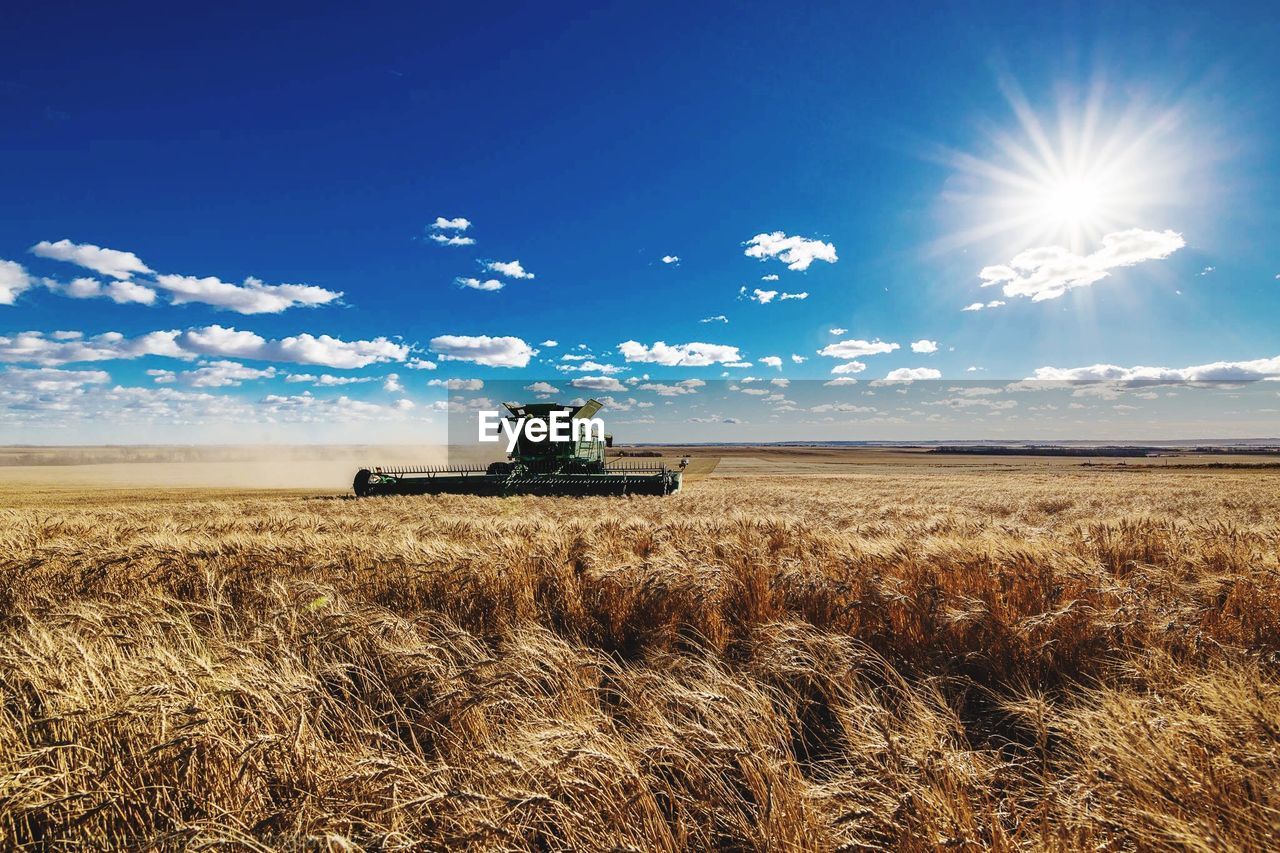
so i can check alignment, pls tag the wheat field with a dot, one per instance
(1042, 658)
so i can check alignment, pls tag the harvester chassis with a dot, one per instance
(501, 479)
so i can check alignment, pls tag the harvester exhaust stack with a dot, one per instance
(575, 467)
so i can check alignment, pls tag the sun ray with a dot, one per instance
(1068, 176)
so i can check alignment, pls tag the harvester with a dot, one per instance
(574, 467)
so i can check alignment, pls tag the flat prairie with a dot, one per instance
(798, 651)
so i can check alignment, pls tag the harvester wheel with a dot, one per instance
(361, 483)
(499, 469)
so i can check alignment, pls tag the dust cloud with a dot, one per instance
(291, 467)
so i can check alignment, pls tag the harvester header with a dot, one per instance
(553, 449)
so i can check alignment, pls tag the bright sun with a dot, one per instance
(1075, 203)
(1067, 179)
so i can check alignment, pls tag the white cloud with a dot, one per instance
(108, 262)
(13, 280)
(772, 361)
(165, 405)
(773, 276)
(671, 259)
(510, 269)
(598, 383)
(843, 380)
(924, 346)
(975, 391)
(856, 348)
(719, 318)
(684, 386)
(549, 343)
(47, 380)
(79, 288)
(618, 405)
(969, 402)
(837, 331)
(466, 405)
(327, 380)
(482, 349)
(420, 364)
(40, 397)
(123, 292)
(120, 292)
(542, 388)
(978, 306)
(476, 284)
(253, 297)
(222, 374)
(849, 367)
(392, 384)
(764, 297)
(304, 408)
(590, 366)
(796, 252)
(457, 224)
(843, 408)
(1259, 368)
(909, 374)
(573, 356)
(458, 384)
(679, 355)
(452, 239)
(35, 347)
(798, 359)
(1050, 271)
(305, 348)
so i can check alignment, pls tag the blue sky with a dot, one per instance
(1109, 172)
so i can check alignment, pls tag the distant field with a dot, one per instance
(41, 471)
(897, 457)
(803, 650)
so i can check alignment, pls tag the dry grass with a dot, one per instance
(913, 659)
